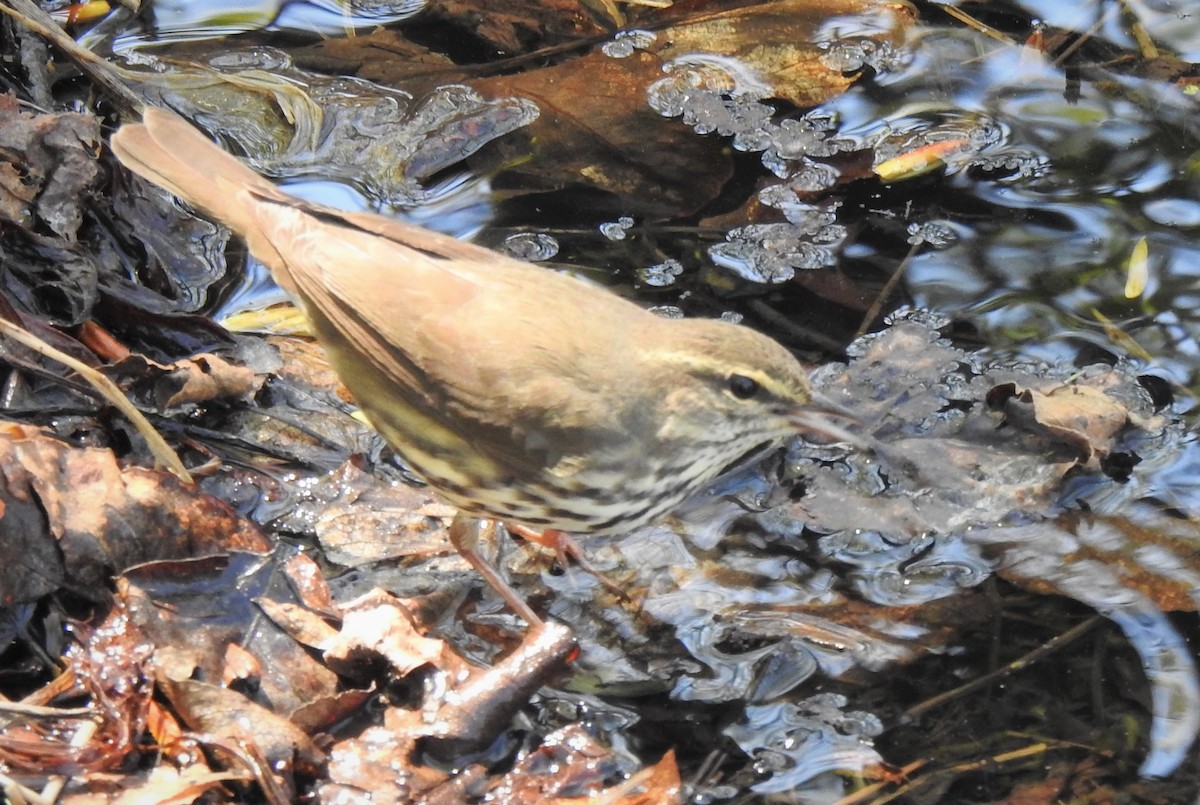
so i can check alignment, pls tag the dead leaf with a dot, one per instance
(229, 715)
(377, 624)
(107, 666)
(74, 516)
(54, 170)
(198, 379)
(1083, 417)
(193, 609)
(163, 785)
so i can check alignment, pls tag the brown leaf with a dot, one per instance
(378, 624)
(568, 760)
(227, 714)
(162, 785)
(197, 379)
(514, 26)
(108, 666)
(654, 785)
(596, 129)
(73, 515)
(377, 765)
(777, 42)
(54, 168)
(194, 609)
(240, 666)
(370, 522)
(1083, 417)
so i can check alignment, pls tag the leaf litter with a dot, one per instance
(761, 589)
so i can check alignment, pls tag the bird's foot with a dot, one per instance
(568, 550)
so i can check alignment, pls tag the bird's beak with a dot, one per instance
(814, 418)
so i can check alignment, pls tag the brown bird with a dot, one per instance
(520, 394)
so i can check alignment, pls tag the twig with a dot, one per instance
(28, 14)
(109, 391)
(886, 291)
(1047, 648)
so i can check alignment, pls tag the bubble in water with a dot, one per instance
(616, 230)
(770, 253)
(667, 311)
(624, 43)
(715, 94)
(661, 275)
(937, 234)
(852, 55)
(531, 246)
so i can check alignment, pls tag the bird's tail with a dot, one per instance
(168, 151)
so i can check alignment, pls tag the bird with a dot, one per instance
(518, 393)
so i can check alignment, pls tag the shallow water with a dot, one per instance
(1048, 176)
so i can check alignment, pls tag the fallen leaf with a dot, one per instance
(73, 515)
(1083, 417)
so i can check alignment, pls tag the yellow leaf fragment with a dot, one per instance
(1138, 269)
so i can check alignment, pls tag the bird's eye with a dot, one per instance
(743, 387)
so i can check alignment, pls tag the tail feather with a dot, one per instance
(168, 151)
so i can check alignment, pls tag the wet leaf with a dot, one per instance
(193, 610)
(55, 169)
(226, 714)
(596, 129)
(1081, 416)
(921, 160)
(163, 785)
(74, 516)
(515, 26)
(378, 625)
(369, 523)
(1137, 269)
(108, 667)
(198, 379)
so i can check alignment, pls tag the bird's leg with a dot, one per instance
(464, 534)
(567, 550)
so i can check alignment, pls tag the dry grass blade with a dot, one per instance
(109, 391)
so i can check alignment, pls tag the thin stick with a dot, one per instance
(886, 291)
(32, 17)
(107, 389)
(1019, 664)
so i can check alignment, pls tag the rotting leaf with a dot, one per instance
(108, 665)
(371, 522)
(513, 26)
(377, 763)
(777, 41)
(465, 709)
(597, 127)
(568, 762)
(377, 624)
(228, 714)
(480, 705)
(164, 784)
(194, 609)
(1081, 416)
(198, 379)
(57, 167)
(73, 516)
